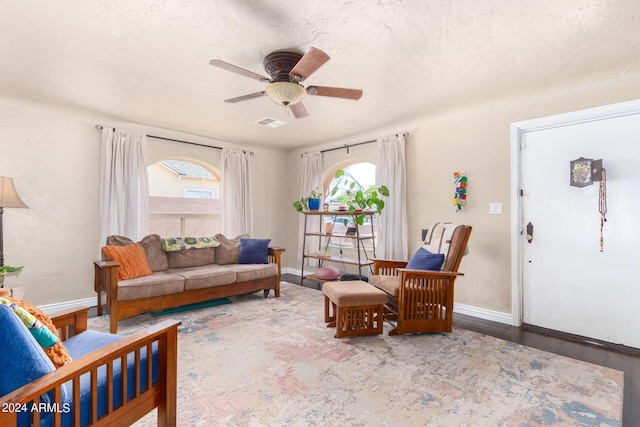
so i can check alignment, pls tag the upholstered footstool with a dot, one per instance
(353, 307)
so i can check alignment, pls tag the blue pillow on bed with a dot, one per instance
(425, 260)
(254, 251)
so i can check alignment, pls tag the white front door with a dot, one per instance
(568, 284)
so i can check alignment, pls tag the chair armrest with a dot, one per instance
(165, 333)
(275, 254)
(106, 276)
(387, 267)
(70, 322)
(106, 263)
(428, 274)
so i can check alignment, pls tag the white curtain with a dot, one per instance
(311, 180)
(124, 187)
(237, 215)
(392, 223)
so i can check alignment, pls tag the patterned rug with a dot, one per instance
(272, 362)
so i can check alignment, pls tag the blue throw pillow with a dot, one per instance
(425, 260)
(254, 251)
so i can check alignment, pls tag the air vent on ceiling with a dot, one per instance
(272, 123)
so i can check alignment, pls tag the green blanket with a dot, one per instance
(170, 244)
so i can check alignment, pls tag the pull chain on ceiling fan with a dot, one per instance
(288, 70)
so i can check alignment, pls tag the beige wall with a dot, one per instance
(53, 156)
(476, 139)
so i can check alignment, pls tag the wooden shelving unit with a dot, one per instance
(362, 260)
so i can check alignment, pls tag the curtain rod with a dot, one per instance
(100, 127)
(348, 146)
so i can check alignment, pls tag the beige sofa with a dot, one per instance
(181, 277)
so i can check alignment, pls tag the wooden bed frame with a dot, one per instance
(161, 395)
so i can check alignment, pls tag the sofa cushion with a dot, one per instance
(248, 272)
(389, 284)
(254, 251)
(152, 245)
(207, 276)
(190, 257)
(132, 259)
(160, 283)
(229, 250)
(116, 240)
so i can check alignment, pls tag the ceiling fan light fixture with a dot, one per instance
(285, 93)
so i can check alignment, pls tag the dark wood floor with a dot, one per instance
(617, 357)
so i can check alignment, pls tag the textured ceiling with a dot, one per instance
(147, 61)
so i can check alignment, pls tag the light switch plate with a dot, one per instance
(495, 208)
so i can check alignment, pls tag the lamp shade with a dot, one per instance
(9, 197)
(285, 93)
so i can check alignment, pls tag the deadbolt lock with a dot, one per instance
(529, 232)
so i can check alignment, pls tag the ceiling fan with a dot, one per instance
(288, 70)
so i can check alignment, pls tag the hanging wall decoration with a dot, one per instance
(603, 206)
(460, 197)
(583, 172)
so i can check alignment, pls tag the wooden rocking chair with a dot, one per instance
(422, 300)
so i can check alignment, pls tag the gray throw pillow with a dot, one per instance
(229, 250)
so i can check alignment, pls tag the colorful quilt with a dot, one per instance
(170, 244)
(40, 332)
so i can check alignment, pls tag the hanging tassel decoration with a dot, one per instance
(460, 196)
(603, 207)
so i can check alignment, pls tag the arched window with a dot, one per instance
(184, 199)
(365, 174)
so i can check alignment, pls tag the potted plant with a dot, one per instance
(355, 197)
(310, 203)
(7, 269)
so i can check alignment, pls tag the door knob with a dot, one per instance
(529, 232)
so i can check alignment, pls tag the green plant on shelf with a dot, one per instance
(302, 204)
(356, 198)
(6, 269)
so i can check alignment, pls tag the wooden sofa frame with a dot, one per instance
(106, 280)
(161, 395)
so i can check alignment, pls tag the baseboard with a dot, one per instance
(59, 306)
(294, 271)
(483, 313)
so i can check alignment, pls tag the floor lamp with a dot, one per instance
(9, 198)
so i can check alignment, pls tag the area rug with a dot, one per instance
(272, 362)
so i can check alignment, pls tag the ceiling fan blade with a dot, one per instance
(335, 92)
(299, 110)
(245, 97)
(238, 70)
(309, 63)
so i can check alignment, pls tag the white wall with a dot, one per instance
(53, 156)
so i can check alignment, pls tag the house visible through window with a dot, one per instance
(183, 199)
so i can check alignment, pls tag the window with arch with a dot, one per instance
(365, 174)
(184, 198)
